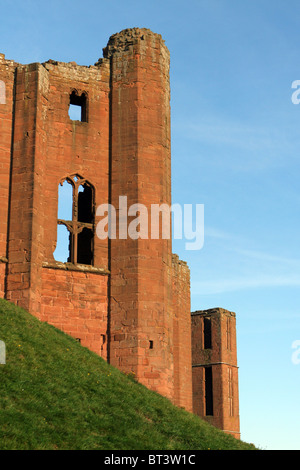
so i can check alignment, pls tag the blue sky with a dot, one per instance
(235, 149)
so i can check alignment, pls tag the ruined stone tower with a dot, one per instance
(215, 372)
(127, 299)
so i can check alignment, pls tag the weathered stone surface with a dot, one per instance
(131, 302)
(214, 347)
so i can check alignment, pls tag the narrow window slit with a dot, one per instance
(209, 409)
(230, 391)
(207, 332)
(228, 334)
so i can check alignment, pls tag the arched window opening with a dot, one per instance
(78, 107)
(76, 215)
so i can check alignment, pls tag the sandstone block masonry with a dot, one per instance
(128, 300)
(215, 371)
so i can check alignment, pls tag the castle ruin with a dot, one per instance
(128, 300)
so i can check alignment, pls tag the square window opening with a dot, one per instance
(78, 107)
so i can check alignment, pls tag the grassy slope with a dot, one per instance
(55, 394)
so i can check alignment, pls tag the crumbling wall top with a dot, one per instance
(214, 312)
(122, 41)
(5, 61)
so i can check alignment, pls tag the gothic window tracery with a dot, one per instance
(76, 214)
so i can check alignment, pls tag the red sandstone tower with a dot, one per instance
(215, 372)
(126, 298)
(119, 297)
(141, 312)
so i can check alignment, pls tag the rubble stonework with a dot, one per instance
(127, 300)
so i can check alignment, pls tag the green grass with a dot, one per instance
(56, 394)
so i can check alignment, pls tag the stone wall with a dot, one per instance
(76, 301)
(214, 348)
(123, 305)
(125, 298)
(7, 77)
(182, 334)
(141, 310)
